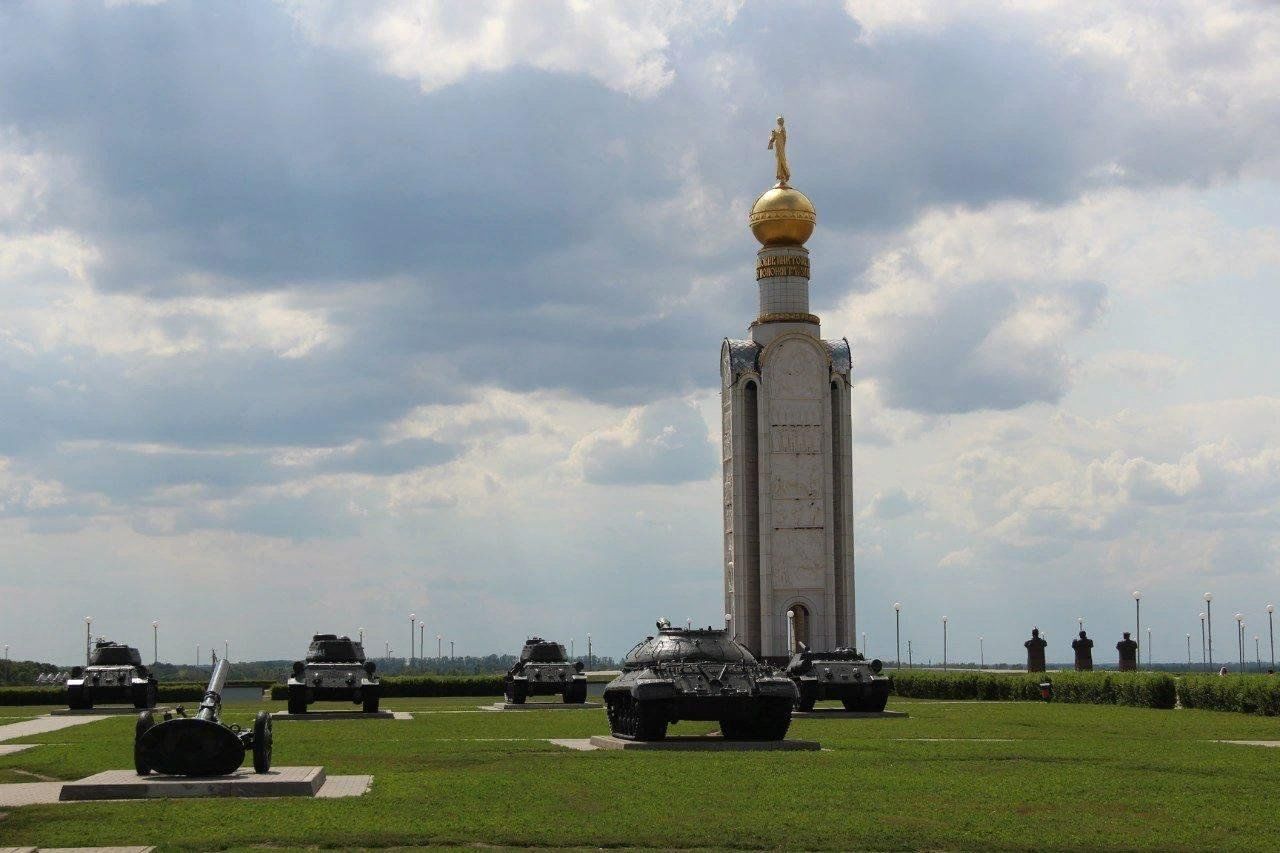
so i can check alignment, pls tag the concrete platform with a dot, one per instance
(108, 711)
(842, 714)
(317, 716)
(128, 785)
(705, 743)
(541, 706)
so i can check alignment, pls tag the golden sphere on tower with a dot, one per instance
(783, 216)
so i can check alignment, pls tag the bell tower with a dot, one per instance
(786, 447)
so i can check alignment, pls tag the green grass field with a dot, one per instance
(1049, 777)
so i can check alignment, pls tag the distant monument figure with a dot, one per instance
(1083, 648)
(1035, 651)
(778, 145)
(1128, 649)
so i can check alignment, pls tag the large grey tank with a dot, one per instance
(544, 670)
(335, 671)
(842, 674)
(698, 674)
(115, 675)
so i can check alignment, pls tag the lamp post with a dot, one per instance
(413, 625)
(197, 655)
(1148, 646)
(422, 631)
(1271, 631)
(909, 661)
(589, 659)
(1257, 650)
(791, 632)
(1203, 659)
(1137, 628)
(226, 650)
(451, 650)
(1240, 638)
(944, 644)
(88, 643)
(1188, 652)
(982, 656)
(897, 633)
(155, 642)
(439, 652)
(1208, 609)
(360, 631)
(572, 648)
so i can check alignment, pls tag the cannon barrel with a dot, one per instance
(211, 704)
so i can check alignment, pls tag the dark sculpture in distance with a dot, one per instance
(842, 674)
(544, 670)
(1035, 651)
(1128, 650)
(200, 745)
(1083, 647)
(335, 671)
(115, 674)
(698, 674)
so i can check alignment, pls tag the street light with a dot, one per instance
(1257, 650)
(791, 632)
(864, 643)
(1137, 630)
(413, 625)
(197, 655)
(589, 659)
(897, 633)
(944, 644)
(155, 642)
(1208, 608)
(439, 653)
(1188, 652)
(88, 643)
(451, 650)
(1148, 646)
(1271, 630)
(422, 630)
(226, 650)
(1240, 638)
(360, 631)
(982, 656)
(1203, 659)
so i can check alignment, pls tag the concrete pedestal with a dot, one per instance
(842, 714)
(702, 744)
(128, 785)
(540, 706)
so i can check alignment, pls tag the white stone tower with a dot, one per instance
(788, 477)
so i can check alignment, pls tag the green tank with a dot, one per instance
(698, 674)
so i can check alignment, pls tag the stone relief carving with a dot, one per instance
(796, 439)
(796, 475)
(796, 514)
(798, 557)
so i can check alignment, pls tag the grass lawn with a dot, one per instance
(1049, 777)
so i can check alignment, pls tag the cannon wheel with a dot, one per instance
(297, 699)
(145, 722)
(262, 742)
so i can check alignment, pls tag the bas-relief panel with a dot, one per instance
(798, 558)
(796, 439)
(795, 364)
(797, 513)
(795, 476)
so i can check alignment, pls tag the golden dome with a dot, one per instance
(783, 216)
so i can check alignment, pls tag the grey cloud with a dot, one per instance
(390, 458)
(666, 444)
(893, 503)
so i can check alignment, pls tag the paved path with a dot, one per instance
(40, 725)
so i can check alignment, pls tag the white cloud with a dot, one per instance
(622, 45)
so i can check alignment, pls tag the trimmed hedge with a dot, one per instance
(56, 694)
(1139, 689)
(426, 685)
(1244, 694)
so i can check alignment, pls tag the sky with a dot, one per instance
(314, 315)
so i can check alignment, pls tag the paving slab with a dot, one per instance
(320, 716)
(29, 793)
(345, 786)
(93, 849)
(842, 714)
(541, 706)
(1270, 743)
(40, 725)
(702, 743)
(581, 744)
(10, 749)
(107, 711)
(128, 785)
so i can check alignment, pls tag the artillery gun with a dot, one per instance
(114, 674)
(201, 745)
(544, 670)
(843, 674)
(698, 674)
(335, 670)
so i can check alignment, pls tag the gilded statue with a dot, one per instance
(778, 145)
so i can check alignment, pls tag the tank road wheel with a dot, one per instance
(145, 722)
(806, 697)
(773, 718)
(734, 728)
(650, 724)
(516, 692)
(371, 697)
(262, 742)
(297, 699)
(614, 708)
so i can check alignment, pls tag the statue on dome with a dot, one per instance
(778, 145)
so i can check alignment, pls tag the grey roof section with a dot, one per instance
(743, 357)
(841, 357)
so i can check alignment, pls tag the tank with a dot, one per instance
(843, 674)
(335, 671)
(544, 670)
(114, 676)
(698, 674)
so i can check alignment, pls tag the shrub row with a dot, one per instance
(1140, 689)
(427, 685)
(56, 694)
(1245, 694)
